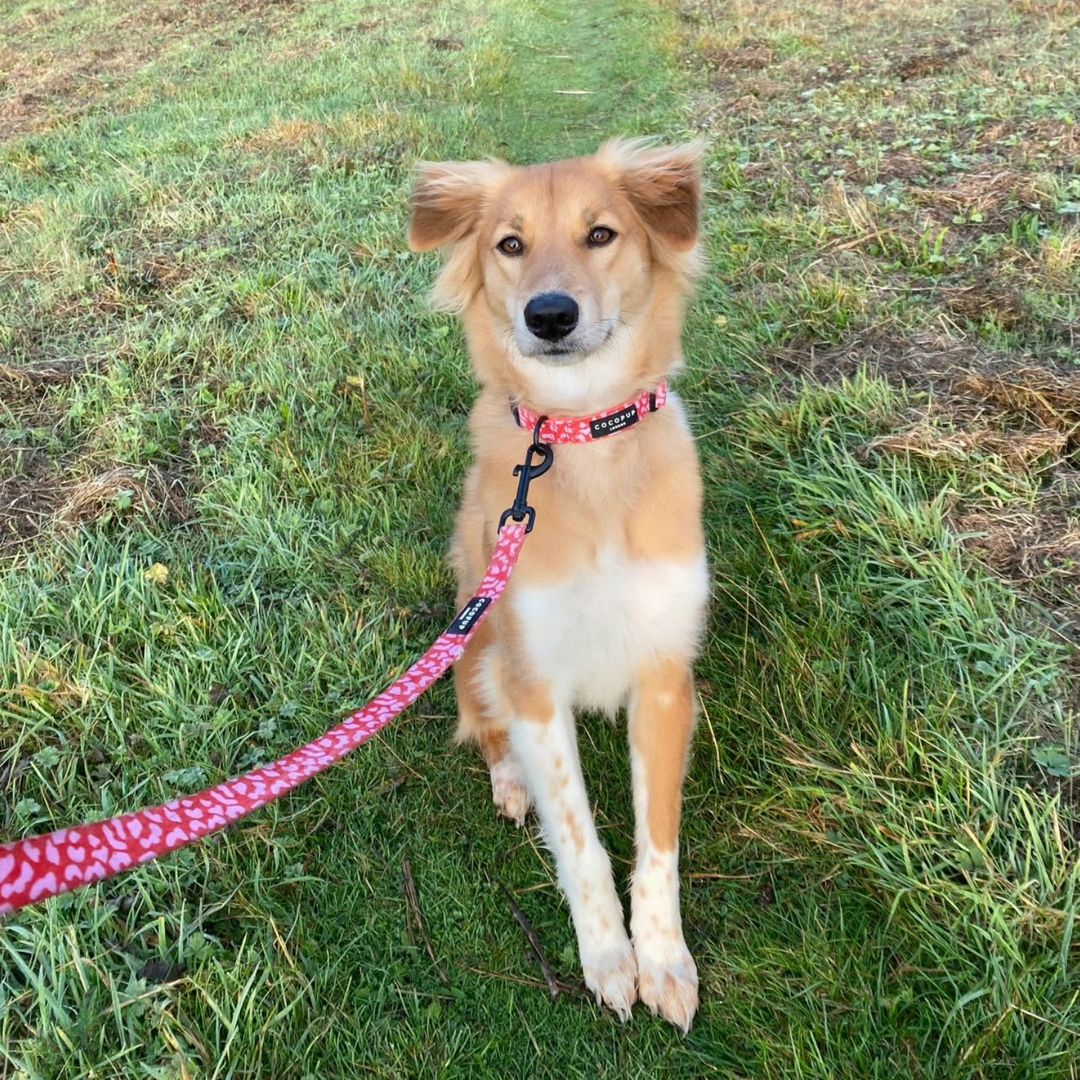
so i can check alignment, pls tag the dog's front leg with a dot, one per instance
(544, 739)
(661, 724)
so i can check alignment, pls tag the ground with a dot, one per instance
(231, 443)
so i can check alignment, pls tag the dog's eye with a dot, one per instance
(600, 236)
(511, 245)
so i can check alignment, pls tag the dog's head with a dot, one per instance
(559, 259)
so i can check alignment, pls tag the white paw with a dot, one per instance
(669, 986)
(611, 974)
(512, 798)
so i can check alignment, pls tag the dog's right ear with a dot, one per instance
(447, 199)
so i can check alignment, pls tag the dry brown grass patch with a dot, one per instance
(1022, 543)
(37, 493)
(896, 165)
(42, 681)
(290, 135)
(46, 85)
(1037, 549)
(981, 407)
(146, 490)
(922, 359)
(1044, 8)
(1033, 393)
(360, 139)
(1017, 449)
(974, 390)
(1048, 141)
(15, 380)
(160, 271)
(985, 301)
(940, 57)
(31, 482)
(749, 56)
(989, 199)
(843, 205)
(1060, 257)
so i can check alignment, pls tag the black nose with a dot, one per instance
(551, 315)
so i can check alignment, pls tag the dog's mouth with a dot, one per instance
(572, 352)
(563, 355)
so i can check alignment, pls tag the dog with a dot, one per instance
(571, 279)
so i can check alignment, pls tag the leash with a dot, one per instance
(37, 868)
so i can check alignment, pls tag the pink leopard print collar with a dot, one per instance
(583, 429)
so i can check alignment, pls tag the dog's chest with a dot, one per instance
(590, 633)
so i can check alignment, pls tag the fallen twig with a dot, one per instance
(524, 980)
(534, 941)
(412, 901)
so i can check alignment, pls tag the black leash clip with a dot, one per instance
(526, 473)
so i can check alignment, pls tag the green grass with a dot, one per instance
(216, 357)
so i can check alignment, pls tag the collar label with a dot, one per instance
(608, 425)
(468, 615)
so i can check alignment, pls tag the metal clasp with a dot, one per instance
(526, 473)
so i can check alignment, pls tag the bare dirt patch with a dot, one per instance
(955, 371)
(31, 488)
(31, 480)
(895, 165)
(44, 87)
(37, 494)
(923, 360)
(749, 56)
(937, 58)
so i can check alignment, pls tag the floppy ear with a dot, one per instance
(447, 199)
(663, 184)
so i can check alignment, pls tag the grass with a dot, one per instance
(232, 434)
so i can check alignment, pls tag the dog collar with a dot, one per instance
(583, 429)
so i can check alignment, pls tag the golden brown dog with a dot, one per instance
(571, 279)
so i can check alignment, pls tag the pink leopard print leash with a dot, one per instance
(39, 867)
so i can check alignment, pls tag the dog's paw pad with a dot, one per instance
(512, 798)
(612, 977)
(670, 988)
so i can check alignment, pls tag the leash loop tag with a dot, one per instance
(467, 617)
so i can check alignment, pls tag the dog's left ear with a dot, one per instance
(663, 184)
(447, 199)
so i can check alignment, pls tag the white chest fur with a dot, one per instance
(590, 633)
